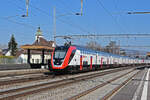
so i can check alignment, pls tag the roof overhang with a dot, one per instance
(33, 47)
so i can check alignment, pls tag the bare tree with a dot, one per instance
(112, 47)
(94, 45)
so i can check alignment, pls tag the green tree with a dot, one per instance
(12, 45)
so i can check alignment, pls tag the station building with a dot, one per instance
(38, 53)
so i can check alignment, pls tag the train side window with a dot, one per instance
(85, 63)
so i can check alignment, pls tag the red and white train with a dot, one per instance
(76, 58)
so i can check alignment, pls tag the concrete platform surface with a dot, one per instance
(137, 89)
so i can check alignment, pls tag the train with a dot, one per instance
(73, 58)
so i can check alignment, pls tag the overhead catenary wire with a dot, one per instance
(44, 12)
(62, 21)
(70, 24)
(10, 18)
(138, 12)
(19, 23)
(68, 9)
(66, 6)
(116, 22)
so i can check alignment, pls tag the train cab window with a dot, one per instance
(60, 52)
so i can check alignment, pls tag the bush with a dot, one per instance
(9, 57)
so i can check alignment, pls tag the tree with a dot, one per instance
(113, 48)
(93, 45)
(12, 45)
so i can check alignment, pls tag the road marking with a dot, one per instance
(136, 94)
(145, 89)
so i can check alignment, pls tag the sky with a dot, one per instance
(99, 17)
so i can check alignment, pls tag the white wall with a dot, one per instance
(35, 58)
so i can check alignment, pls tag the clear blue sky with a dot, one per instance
(95, 19)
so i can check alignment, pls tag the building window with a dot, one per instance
(37, 61)
(32, 60)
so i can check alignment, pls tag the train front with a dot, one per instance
(61, 57)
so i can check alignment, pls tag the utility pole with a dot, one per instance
(27, 9)
(81, 7)
(27, 6)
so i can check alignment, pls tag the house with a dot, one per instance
(6, 52)
(1, 53)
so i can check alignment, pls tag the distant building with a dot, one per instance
(36, 55)
(148, 55)
(1, 53)
(6, 52)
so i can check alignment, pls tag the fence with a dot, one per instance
(10, 60)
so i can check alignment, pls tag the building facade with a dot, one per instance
(35, 54)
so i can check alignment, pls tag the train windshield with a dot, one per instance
(60, 52)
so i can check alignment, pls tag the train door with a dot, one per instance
(96, 59)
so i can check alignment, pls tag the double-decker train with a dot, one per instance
(75, 58)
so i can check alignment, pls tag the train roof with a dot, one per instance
(101, 52)
(83, 48)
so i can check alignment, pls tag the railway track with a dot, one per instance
(27, 79)
(107, 96)
(23, 79)
(11, 73)
(24, 91)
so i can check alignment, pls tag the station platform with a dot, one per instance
(137, 89)
(14, 66)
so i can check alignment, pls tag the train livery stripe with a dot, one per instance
(66, 60)
(52, 59)
(81, 62)
(91, 62)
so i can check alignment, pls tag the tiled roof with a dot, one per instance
(36, 52)
(39, 44)
(42, 42)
